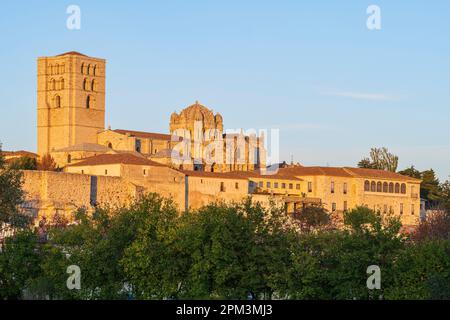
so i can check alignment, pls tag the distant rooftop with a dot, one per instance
(71, 53)
(120, 158)
(148, 135)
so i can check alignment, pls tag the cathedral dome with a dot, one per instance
(197, 112)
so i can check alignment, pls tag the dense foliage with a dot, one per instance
(150, 251)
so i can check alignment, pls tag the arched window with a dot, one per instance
(82, 68)
(397, 188)
(88, 102)
(373, 186)
(94, 71)
(50, 69)
(61, 84)
(53, 84)
(85, 85)
(56, 69)
(391, 187)
(90, 69)
(57, 102)
(93, 85)
(69, 158)
(385, 187)
(62, 68)
(403, 188)
(110, 145)
(366, 185)
(379, 188)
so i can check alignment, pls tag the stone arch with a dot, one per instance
(367, 185)
(57, 101)
(379, 187)
(403, 188)
(373, 186)
(391, 187)
(397, 187)
(385, 187)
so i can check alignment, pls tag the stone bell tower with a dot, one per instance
(70, 100)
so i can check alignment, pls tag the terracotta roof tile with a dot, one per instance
(379, 174)
(121, 158)
(148, 135)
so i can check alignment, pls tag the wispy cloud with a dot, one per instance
(360, 95)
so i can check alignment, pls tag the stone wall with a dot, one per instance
(47, 193)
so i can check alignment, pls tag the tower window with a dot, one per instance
(85, 86)
(58, 102)
(88, 102)
(93, 86)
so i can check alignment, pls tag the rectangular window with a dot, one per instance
(332, 186)
(297, 186)
(268, 184)
(345, 205)
(106, 172)
(275, 185)
(145, 172)
(309, 186)
(333, 207)
(283, 185)
(412, 209)
(236, 185)
(222, 187)
(401, 208)
(261, 184)
(291, 186)
(345, 187)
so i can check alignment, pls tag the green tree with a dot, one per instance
(24, 163)
(380, 158)
(312, 217)
(421, 271)
(11, 196)
(19, 262)
(430, 188)
(411, 172)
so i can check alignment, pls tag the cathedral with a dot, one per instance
(71, 124)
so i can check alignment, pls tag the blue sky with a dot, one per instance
(313, 69)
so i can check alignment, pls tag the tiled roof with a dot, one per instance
(315, 171)
(71, 53)
(121, 158)
(19, 153)
(344, 172)
(148, 135)
(379, 174)
(92, 147)
(218, 175)
(240, 175)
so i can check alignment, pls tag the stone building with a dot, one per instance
(71, 123)
(115, 166)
